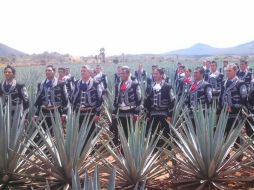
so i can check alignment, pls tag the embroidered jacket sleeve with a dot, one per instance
(250, 99)
(25, 98)
(243, 93)
(172, 102)
(38, 100)
(147, 101)
(73, 94)
(105, 81)
(138, 99)
(116, 99)
(64, 99)
(99, 99)
(209, 95)
(220, 104)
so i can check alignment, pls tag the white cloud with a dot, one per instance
(81, 27)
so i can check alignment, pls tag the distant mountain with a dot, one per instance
(204, 49)
(6, 51)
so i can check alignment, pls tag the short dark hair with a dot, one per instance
(188, 69)
(61, 68)
(214, 62)
(13, 70)
(126, 69)
(233, 66)
(52, 67)
(160, 70)
(182, 66)
(201, 70)
(243, 61)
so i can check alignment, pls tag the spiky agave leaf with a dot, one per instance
(66, 152)
(14, 169)
(139, 159)
(92, 183)
(202, 154)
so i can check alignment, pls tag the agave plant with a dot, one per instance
(137, 161)
(202, 156)
(64, 152)
(15, 171)
(92, 183)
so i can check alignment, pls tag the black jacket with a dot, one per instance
(201, 95)
(55, 96)
(87, 98)
(233, 95)
(131, 97)
(160, 102)
(17, 92)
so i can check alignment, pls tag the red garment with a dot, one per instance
(193, 86)
(187, 80)
(123, 87)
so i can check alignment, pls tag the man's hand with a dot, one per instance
(230, 109)
(243, 131)
(135, 117)
(64, 119)
(35, 118)
(169, 119)
(97, 118)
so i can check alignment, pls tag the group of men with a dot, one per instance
(233, 89)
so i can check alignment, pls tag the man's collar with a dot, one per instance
(86, 81)
(245, 71)
(233, 79)
(198, 82)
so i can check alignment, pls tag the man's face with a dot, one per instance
(93, 73)
(124, 75)
(97, 70)
(231, 73)
(85, 73)
(140, 67)
(119, 71)
(243, 66)
(157, 76)
(208, 64)
(67, 71)
(225, 63)
(50, 73)
(8, 74)
(213, 67)
(197, 75)
(180, 70)
(61, 73)
(187, 73)
(153, 68)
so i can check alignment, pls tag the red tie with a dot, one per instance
(187, 80)
(123, 87)
(193, 86)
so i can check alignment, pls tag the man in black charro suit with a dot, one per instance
(87, 98)
(127, 102)
(51, 96)
(16, 92)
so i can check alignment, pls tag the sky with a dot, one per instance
(82, 27)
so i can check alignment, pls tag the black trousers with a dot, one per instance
(230, 124)
(90, 118)
(159, 122)
(125, 118)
